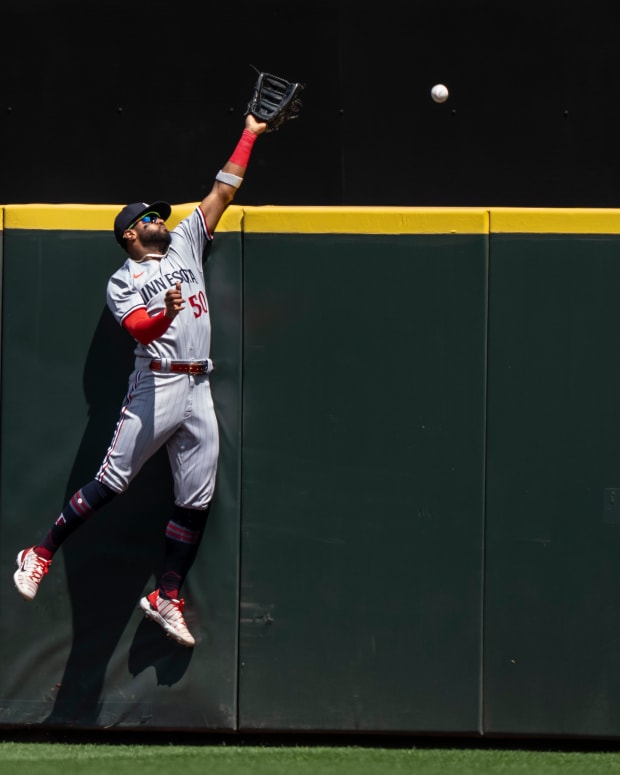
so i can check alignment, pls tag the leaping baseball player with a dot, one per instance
(159, 297)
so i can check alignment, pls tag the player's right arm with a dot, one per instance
(146, 328)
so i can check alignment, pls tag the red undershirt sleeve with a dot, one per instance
(145, 328)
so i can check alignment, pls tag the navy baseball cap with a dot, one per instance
(133, 212)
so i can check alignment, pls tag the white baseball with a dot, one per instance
(439, 92)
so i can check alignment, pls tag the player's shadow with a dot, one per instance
(111, 559)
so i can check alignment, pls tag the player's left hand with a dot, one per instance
(174, 301)
(258, 127)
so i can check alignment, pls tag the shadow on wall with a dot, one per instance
(114, 557)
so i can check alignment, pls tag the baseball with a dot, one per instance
(439, 92)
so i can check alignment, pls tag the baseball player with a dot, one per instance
(159, 297)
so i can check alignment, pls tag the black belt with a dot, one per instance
(181, 367)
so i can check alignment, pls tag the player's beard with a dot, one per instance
(156, 239)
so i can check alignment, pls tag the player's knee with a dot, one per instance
(97, 494)
(192, 519)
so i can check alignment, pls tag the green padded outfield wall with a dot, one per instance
(417, 520)
(363, 469)
(552, 591)
(361, 480)
(81, 654)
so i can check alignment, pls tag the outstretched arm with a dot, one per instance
(223, 193)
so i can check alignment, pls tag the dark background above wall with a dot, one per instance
(130, 101)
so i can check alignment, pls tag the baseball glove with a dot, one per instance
(274, 100)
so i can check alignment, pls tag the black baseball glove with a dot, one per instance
(274, 100)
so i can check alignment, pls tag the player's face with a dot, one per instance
(152, 232)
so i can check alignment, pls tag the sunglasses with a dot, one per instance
(146, 218)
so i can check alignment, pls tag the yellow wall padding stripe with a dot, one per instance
(366, 220)
(554, 220)
(80, 217)
(336, 220)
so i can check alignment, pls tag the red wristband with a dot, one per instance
(241, 154)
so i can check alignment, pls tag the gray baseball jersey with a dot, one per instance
(167, 408)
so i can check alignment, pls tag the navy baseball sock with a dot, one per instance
(183, 533)
(82, 504)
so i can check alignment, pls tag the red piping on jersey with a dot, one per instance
(204, 223)
(102, 471)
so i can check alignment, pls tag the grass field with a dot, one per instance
(153, 759)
